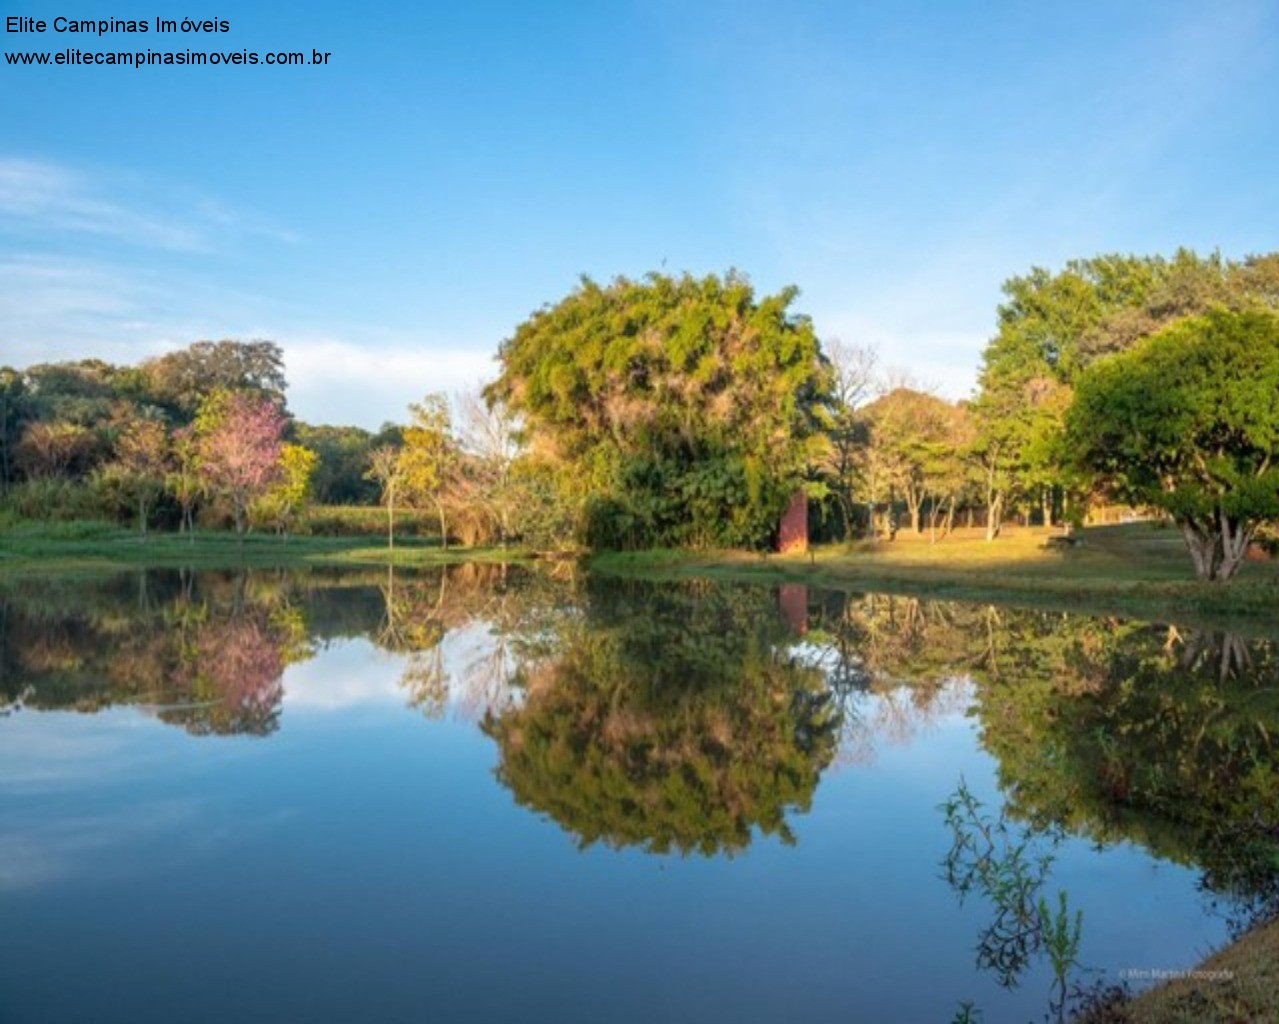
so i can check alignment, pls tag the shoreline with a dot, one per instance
(1134, 572)
(1130, 571)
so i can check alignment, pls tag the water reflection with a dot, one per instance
(1114, 730)
(204, 654)
(694, 717)
(671, 719)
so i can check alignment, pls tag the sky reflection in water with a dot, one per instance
(491, 796)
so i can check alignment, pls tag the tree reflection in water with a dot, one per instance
(692, 716)
(1109, 729)
(673, 719)
(206, 655)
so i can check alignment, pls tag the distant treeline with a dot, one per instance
(63, 420)
(687, 412)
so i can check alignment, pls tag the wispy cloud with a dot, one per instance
(43, 198)
(46, 196)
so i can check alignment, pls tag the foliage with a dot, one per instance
(239, 449)
(12, 413)
(1009, 868)
(54, 500)
(342, 461)
(487, 491)
(181, 381)
(687, 408)
(852, 381)
(185, 481)
(686, 412)
(282, 505)
(55, 449)
(1188, 422)
(1053, 326)
(428, 460)
(912, 451)
(140, 468)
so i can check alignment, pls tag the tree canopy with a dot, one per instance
(1188, 422)
(683, 410)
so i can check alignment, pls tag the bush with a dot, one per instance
(53, 500)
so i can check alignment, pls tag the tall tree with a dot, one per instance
(184, 481)
(852, 384)
(387, 472)
(1053, 326)
(430, 457)
(688, 409)
(911, 431)
(183, 379)
(284, 501)
(1188, 422)
(489, 441)
(239, 449)
(141, 465)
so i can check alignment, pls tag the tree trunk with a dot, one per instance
(994, 514)
(444, 530)
(1236, 535)
(390, 523)
(1217, 545)
(846, 515)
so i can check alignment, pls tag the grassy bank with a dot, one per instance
(1238, 983)
(1136, 569)
(32, 548)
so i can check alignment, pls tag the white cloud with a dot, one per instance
(342, 676)
(333, 379)
(55, 308)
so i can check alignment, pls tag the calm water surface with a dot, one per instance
(502, 795)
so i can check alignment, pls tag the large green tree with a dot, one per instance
(181, 380)
(680, 410)
(1188, 422)
(911, 433)
(1053, 325)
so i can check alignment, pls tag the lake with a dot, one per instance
(496, 793)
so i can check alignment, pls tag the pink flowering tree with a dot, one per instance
(239, 449)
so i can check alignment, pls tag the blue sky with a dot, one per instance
(390, 218)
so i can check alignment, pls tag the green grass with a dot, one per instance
(1136, 569)
(29, 548)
